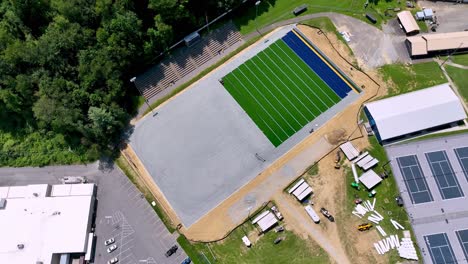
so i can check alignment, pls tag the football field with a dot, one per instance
(279, 91)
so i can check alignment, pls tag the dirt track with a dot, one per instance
(329, 186)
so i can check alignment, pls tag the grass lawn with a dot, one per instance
(279, 91)
(387, 190)
(231, 250)
(407, 78)
(460, 59)
(460, 78)
(271, 11)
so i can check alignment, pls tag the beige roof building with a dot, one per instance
(423, 44)
(445, 41)
(416, 45)
(408, 22)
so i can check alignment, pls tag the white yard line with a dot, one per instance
(278, 89)
(318, 86)
(268, 101)
(287, 86)
(261, 107)
(276, 98)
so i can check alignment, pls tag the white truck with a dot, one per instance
(310, 211)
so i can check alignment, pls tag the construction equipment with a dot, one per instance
(364, 227)
(327, 214)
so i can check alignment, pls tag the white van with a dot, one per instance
(74, 180)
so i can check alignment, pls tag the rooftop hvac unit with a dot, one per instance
(20, 246)
(2, 203)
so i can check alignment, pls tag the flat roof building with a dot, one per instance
(408, 22)
(42, 222)
(409, 113)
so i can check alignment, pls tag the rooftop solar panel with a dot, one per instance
(414, 179)
(444, 175)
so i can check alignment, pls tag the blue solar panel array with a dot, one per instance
(317, 64)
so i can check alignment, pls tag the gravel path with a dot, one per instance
(296, 216)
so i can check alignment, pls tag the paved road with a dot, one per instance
(140, 235)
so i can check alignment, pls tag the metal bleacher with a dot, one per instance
(186, 59)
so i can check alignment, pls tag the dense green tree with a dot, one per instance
(65, 66)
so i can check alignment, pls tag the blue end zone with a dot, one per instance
(317, 64)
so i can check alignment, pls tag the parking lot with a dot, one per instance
(122, 213)
(125, 215)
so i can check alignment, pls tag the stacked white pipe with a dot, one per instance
(384, 245)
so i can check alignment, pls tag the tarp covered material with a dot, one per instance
(304, 194)
(295, 186)
(416, 111)
(370, 179)
(300, 189)
(259, 217)
(268, 221)
(349, 150)
(408, 22)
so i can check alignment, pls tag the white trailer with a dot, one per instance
(310, 211)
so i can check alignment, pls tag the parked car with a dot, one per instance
(171, 251)
(113, 261)
(109, 241)
(111, 248)
(187, 261)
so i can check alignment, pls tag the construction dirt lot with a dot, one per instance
(340, 240)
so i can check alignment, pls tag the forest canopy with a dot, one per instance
(65, 66)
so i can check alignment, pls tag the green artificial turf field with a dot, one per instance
(279, 91)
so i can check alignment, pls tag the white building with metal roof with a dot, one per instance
(409, 113)
(39, 227)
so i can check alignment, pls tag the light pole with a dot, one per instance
(256, 13)
(132, 80)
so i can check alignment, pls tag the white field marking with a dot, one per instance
(245, 88)
(268, 101)
(300, 101)
(310, 77)
(310, 89)
(278, 89)
(266, 123)
(272, 95)
(299, 88)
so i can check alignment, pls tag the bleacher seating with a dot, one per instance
(186, 59)
(317, 64)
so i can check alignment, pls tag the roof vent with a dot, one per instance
(20, 246)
